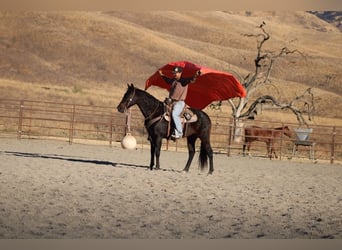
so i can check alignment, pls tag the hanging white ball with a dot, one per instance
(129, 142)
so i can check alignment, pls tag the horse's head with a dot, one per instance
(128, 99)
(287, 131)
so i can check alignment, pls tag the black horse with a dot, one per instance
(153, 110)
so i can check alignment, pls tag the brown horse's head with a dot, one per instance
(287, 131)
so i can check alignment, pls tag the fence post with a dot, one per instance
(333, 145)
(20, 122)
(229, 136)
(71, 130)
(111, 129)
(281, 141)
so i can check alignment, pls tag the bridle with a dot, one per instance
(130, 100)
(128, 113)
(149, 117)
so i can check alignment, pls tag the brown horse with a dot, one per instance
(267, 135)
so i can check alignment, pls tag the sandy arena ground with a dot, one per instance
(50, 189)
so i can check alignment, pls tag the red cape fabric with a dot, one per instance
(210, 86)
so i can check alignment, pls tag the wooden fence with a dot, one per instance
(85, 123)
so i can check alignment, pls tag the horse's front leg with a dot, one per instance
(248, 148)
(271, 150)
(274, 152)
(152, 154)
(268, 149)
(158, 143)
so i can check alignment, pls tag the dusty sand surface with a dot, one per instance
(50, 189)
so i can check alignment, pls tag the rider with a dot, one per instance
(178, 92)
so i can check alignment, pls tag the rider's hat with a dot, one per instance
(177, 69)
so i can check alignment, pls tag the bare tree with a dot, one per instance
(264, 62)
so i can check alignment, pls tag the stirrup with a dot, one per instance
(176, 136)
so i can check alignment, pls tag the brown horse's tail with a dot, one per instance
(203, 157)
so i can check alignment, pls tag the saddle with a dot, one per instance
(187, 116)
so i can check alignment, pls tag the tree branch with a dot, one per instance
(264, 62)
(267, 100)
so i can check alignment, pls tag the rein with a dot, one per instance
(128, 121)
(149, 117)
(155, 119)
(129, 114)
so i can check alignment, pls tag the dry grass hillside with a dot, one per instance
(88, 57)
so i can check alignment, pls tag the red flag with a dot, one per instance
(210, 86)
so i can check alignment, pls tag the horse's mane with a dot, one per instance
(146, 93)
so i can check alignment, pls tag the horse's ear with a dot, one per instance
(130, 85)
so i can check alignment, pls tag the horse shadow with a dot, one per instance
(78, 160)
(71, 159)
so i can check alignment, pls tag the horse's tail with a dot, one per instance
(203, 157)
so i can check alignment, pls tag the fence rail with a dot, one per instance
(73, 122)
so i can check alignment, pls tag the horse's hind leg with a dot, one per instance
(205, 153)
(244, 149)
(249, 147)
(211, 161)
(191, 148)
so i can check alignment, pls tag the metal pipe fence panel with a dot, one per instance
(82, 123)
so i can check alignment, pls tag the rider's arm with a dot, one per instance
(165, 78)
(185, 81)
